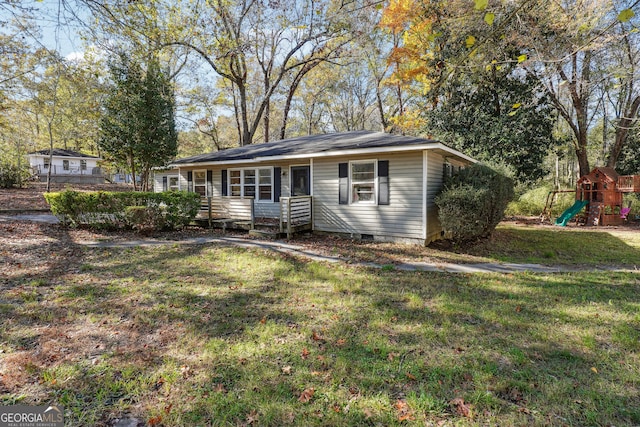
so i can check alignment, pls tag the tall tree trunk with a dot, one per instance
(622, 131)
(267, 112)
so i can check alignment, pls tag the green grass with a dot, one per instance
(206, 335)
(557, 245)
(515, 243)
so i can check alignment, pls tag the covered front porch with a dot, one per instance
(234, 212)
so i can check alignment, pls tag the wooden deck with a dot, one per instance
(629, 184)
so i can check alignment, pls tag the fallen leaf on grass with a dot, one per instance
(263, 320)
(410, 376)
(392, 356)
(341, 342)
(306, 395)
(252, 417)
(286, 370)
(219, 388)
(316, 337)
(594, 369)
(305, 353)
(404, 412)
(167, 408)
(185, 371)
(154, 421)
(462, 408)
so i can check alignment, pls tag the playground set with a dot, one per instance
(600, 192)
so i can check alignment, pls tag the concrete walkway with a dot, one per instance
(301, 251)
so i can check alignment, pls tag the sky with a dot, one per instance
(59, 36)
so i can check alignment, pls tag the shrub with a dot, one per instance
(113, 210)
(532, 202)
(10, 175)
(472, 202)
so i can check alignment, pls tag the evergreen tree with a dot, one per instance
(138, 126)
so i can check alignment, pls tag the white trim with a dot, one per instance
(311, 177)
(425, 194)
(375, 182)
(337, 153)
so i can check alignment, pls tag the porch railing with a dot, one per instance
(296, 214)
(226, 210)
(629, 183)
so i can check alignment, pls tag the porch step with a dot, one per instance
(265, 233)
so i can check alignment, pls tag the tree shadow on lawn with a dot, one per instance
(205, 334)
(545, 344)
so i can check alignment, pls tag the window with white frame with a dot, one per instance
(363, 181)
(83, 165)
(46, 163)
(65, 165)
(254, 182)
(200, 182)
(174, 183)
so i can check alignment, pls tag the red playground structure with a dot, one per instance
(601, 191)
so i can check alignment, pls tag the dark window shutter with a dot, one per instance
(343, 183)
(383, 182)
(276, 184)
(209, 183)
(164, 183)
(225, 191)
(190, 181)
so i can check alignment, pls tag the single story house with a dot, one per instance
(368, 185)
(66, 166)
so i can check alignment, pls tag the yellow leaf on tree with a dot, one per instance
(516, 105)
(471, 40)
(489, 18)
(481, 4)
(626, 15)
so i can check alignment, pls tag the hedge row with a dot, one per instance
(117, 210)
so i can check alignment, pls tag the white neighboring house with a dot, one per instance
(66, 166)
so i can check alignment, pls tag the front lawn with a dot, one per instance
(210, 335)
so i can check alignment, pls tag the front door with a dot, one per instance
(300, 181)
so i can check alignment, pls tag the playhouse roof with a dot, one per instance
(610, 174)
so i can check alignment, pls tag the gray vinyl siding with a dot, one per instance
(435, 169)
(157, 182)
(402, 218)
